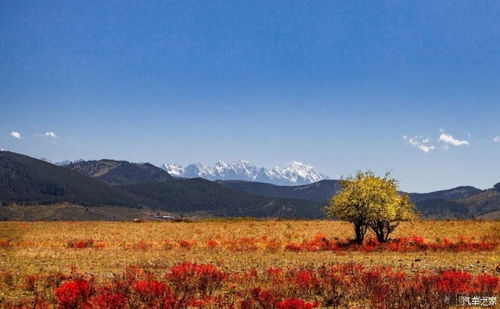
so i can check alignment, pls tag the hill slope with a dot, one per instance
(200, 195)
(447, 195)
(459, 202)
(120, 172)
(28, 181)
(25, 180)
(320, 191)
(483, 203)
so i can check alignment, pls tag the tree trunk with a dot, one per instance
(382, 230)
(381, 237)
(359, 231)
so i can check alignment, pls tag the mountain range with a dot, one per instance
(106, 188)
(32, 189)
(296, 173)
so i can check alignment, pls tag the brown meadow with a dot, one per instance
(103, 249)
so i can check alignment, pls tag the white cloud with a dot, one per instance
(497, 139)
(50, 134)
(450, 140)
(420, 143)
(16, 135)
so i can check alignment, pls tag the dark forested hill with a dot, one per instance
(320, 191)
(28, 181)
(483, 203)
(120, 172)
(191, 195)
(459, 202)
(25, 180)
(448, 195)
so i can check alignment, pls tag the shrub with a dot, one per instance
(294, 303)
(73, 294)
(191, 278)
(80, 244)
(153, 293)
(108, 300)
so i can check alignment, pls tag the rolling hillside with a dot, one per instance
(28, 181)
(447, 195)
(319, 191)
(459, 202)
(104, 183)
(120, 172)
(483, 203)
(200, 195)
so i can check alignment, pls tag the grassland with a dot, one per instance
(107, 248)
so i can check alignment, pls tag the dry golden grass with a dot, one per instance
(39, 248)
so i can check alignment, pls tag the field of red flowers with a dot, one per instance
(246, 264)
(318, 243)
(205, 285)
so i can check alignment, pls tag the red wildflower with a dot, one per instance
(185, 244)
(73, 294)
(108, 300)
(154, 293)
(212, 244)
(293, 247)
(30, 282)
(192, 277)
(304, 279)
(266, 298)
(453, 282)
(294, 303)
(4, 243)
(484, 283)
(80, 244)
(149, 288)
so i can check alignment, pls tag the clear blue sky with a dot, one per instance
(335, 84)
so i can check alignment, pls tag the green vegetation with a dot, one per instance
(69, 212)
(320, 191)
(369, 201)
(189, 195)
(138, 187)
(28, 181)
(121, 172)
(460, 202)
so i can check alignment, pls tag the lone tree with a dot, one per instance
(371, 202)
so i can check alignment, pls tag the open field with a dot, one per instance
(102, 250)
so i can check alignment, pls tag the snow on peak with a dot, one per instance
(173, 169)
(298, 169)
(296, 173)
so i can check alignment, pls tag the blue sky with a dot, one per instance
(334, 84)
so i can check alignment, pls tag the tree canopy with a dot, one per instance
(370, 201)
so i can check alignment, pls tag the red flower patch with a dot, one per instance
(71, 294)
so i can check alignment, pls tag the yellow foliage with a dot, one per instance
(367, 200)
(366, 197)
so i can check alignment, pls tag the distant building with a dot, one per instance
(165, 217)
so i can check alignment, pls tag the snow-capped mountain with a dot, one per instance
(173, 169)
(295, 174)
